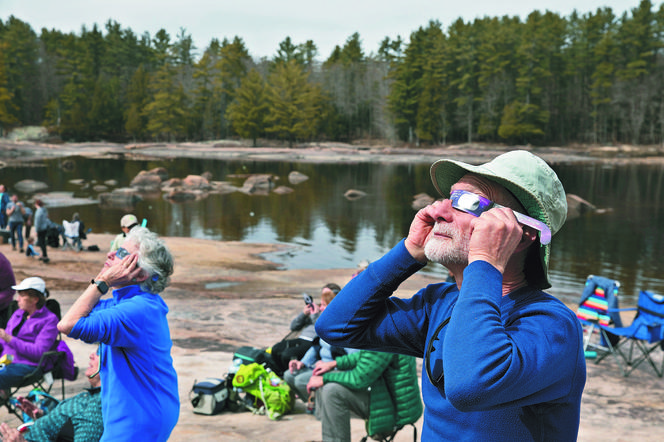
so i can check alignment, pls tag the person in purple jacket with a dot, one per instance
(502, 360)
(31, 331)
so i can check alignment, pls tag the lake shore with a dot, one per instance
(224, 295)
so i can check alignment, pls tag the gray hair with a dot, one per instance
(153, 257)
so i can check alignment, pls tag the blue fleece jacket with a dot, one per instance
(513, 366)
(140, 398)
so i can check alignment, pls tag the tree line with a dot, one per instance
(586, 78)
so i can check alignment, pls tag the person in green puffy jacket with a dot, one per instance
(363, 383)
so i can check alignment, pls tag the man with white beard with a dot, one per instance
(503, 361)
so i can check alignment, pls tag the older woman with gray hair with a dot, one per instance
(139, 385)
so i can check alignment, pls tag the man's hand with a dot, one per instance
(315, 382)
(419, 232)
(10, 434)
(496, 235)
(323, 367)
(295, 366)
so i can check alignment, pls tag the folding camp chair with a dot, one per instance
(71, 235)
(638, 341)
(599, 307)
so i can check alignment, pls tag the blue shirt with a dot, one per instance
(514, 366)
(140, 398)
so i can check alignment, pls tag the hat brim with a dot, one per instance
(445, 173)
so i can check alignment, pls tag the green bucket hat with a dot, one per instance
(530, 180)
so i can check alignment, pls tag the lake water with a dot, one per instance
(326, 230)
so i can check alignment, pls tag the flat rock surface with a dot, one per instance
(224, 295)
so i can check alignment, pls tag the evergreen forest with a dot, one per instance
(591, 77)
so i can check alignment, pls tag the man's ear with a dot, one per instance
(528, 237)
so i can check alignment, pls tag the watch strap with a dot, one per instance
(101, 286)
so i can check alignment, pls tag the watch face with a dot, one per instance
(103, 287)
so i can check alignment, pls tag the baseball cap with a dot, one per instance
(34, 282)
(128, 220)
(530, 180)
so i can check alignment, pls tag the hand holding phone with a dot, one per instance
(307, 299)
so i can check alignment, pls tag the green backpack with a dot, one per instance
(275, 394)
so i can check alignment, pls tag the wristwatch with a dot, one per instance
(101, 286)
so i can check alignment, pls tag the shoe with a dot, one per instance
(21, 250)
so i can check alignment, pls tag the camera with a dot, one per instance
(307, 299)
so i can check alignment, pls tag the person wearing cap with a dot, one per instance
(502, 359)
(127, 223)
(137, 367)
(30, 332)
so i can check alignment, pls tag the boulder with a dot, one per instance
(160, 172)
(196, 182)
(171, 184)
(255, 183)
(123, 198)
(30, 186)
(353, 194)
(179, 195)
(283, 190)
(577, 206)
(207, 175)
(146, 181)
(296, 177)
(100, 188)
(223, 187)
(421, 200)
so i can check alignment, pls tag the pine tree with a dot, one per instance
(247, 113)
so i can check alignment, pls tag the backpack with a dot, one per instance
(274, 394)
(209, 396)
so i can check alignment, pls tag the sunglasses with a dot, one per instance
(122, 253)
(476, 205)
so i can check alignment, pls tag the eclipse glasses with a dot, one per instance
(476, 205)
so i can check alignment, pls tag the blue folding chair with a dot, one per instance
(638, 342)
(599, 307)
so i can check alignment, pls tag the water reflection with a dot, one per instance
(328, 231)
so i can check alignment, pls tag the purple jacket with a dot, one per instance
(7, 280)
(38, 335)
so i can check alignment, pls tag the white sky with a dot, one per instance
(263, 24)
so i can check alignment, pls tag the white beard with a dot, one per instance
(452, 251)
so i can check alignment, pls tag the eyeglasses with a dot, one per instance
(436, 381)
(122, 253)
(476, 205)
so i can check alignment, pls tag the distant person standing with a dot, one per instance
(127, 223)
(4, 200)
(15, 212)
(41, 226)
(28, 221)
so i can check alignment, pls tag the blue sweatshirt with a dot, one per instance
(140, 398)
(514, 367)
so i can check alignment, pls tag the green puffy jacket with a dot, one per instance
(388, 376)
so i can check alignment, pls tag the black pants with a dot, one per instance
(285, 351)
(41, 241)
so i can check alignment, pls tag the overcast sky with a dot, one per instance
(262, 24)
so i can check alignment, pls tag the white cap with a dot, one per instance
(34, 282)
(128, 220)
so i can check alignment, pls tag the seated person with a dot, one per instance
(299, 372)
(30, 249)
(7, 280)
(31, 331)
(77, 418)
(364, 383)
(292, 349)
